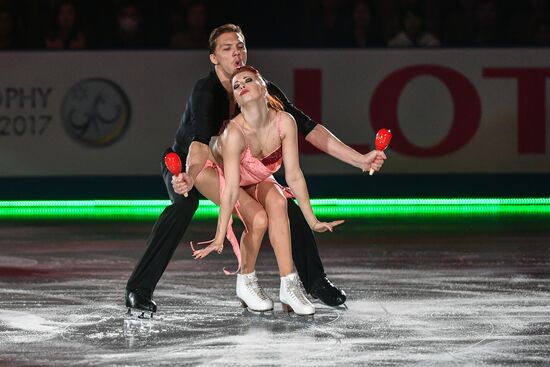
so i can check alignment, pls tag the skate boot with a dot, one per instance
(292, 297)
(251, 294)
(140, 301)
(327, 292)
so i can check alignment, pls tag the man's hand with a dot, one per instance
(182, 183)
(372, 160)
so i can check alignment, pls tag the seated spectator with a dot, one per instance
(487, 24)
(195, 31)
(8, 34)
(329, 26)
(365, 32)
(541, 33)
(413, 31)
(176, 15)
(458, 23)
(65, 31)
(129, 32)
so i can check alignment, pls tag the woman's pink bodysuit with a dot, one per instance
(252, 171)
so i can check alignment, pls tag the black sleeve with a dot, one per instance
(304, 123)
(204, 112)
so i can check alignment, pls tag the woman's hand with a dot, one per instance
(325, 226)
(216, 245)
(182, 183)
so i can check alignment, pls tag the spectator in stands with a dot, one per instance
(194, 33)
(413, 31)
(176, 15)
(487, 24)
(365, 31)
(329, 26)
(9, 39)
(458, 23)
(541, 33)
(129, 31)
(540, 10)
(65, 31)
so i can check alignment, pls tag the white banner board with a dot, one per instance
(114, 113)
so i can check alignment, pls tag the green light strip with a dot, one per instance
(324, 208)
(314, 202)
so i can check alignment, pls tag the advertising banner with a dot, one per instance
(114, 113)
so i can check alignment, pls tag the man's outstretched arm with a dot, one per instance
(321, 138)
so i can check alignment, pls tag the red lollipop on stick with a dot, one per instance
(381, 142)
(173, 163)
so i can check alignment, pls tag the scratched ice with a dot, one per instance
(457, 299)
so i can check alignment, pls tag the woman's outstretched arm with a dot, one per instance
(232, 143)
(294, 176)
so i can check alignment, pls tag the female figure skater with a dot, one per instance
(250, 149)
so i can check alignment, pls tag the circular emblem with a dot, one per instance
(95, 112)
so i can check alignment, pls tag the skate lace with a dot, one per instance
(255, 287)
(296, 292)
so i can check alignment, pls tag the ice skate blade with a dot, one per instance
(263, 315)
(320, 304)
(139, 314)
(245, 306)
(288, 310)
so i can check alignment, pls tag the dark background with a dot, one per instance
(186, 24)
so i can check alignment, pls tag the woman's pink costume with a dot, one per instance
(252, 171)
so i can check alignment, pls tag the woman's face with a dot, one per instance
(246, 87)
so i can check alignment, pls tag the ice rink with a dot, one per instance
(419, 293)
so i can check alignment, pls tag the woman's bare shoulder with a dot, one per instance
(232, 134)
(287, 122)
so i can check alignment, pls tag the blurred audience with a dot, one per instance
(129, 30)
(194, 30)
(488, 30)
(365, 29)
(541, 33)
(413, 32)
(458, 25)
(186, 24)
(329, 26)
(65, 31)
(9, 38)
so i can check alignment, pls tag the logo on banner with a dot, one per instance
(95, 112)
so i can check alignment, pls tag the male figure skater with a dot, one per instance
(211, 102)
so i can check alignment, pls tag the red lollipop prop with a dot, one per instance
(173, 163)
(381, 142)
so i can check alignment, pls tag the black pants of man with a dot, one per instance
(173, 222)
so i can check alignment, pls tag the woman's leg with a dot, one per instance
(248, 290)
(290, 293)
(254, 216)
(272, 199)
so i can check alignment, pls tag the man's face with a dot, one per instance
(230, 52)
